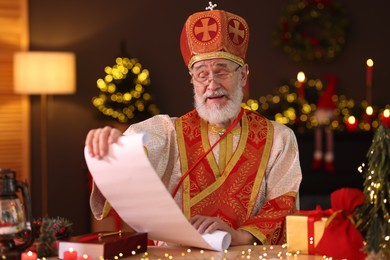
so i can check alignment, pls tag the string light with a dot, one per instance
(123, 93)
(286, 108)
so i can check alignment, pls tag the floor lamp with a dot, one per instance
(44, 73)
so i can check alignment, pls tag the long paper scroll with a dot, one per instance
(128, 181)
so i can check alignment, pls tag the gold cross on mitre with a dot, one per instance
(211, 6)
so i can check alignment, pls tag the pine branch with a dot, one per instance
(372, 216)
(51, 229)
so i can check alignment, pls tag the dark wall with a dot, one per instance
(94, 29)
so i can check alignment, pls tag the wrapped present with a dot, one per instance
(305, 229)
(104, 245)
(341, 239)
(331, 232)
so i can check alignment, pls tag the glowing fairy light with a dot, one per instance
(369, 110)
(348, 114)
(301, 76)
(386, 113)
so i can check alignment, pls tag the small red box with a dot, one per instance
(105, 245)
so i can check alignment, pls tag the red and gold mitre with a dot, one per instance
(214, 34)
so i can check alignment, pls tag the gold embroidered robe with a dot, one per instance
(264, 202)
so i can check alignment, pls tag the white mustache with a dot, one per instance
(216, 93)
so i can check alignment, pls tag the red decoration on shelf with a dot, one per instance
(385, 118)
(352, 124)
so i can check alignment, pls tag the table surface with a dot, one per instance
(235, 252)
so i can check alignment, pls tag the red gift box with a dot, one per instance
(105, 245)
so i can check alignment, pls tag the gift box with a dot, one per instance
(304, 230)
(332, 232)
(104, 245)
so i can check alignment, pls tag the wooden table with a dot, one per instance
(236, 252)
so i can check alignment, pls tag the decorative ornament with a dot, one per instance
(47, 231)
(312, 30)
(324, 114)
(211, 6)
(123, 96)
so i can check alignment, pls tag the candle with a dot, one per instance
(301, 85)
(369, 110)
(70, 255)
(385, 118)
(369, 68)
(369, 116)
(29, 256)
(85, 257)
(351, 124)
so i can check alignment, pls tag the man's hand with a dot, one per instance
(204, 224)
(99, 139)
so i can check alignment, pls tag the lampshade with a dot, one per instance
(37, 72)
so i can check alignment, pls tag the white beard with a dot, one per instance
(217, 114)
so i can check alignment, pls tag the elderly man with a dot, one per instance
(227, 168)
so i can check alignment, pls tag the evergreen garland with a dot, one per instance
(48, 231)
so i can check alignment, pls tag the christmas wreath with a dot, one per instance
(312, 30)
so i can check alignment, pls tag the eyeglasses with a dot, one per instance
(205, 77)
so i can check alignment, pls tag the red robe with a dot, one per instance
(230, 193)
